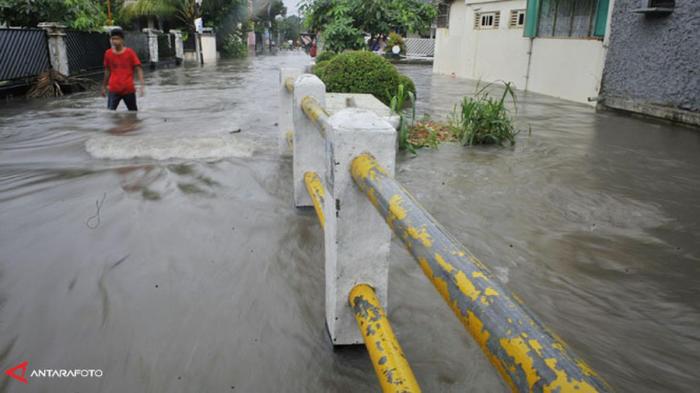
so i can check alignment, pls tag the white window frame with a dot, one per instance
(514, 21)
(480, 17)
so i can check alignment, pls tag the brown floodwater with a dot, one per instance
(164, 249)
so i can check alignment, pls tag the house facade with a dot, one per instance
(552, 47)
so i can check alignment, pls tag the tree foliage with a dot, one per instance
(369, 16)
(76, 14)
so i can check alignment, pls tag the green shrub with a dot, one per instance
(483, 119)
(326, 55)
(407, 83)
(395, 39)
(361, 72)
(320, 68)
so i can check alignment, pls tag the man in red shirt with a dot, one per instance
(120, 63)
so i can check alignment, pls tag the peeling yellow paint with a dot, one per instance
(463, 283)
(564, 383)
(520, 352)
(421, 235)
(314, 186)
(534, 344)
(395, 207)
(389, 361)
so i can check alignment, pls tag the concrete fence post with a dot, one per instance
(309, 145)
(286, 120)
(58, 51)
(152, 35)
(356, 238)
(179, 46)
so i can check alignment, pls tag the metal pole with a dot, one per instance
(526, 354)
(317, 193)
(390, 364)
(315, 112)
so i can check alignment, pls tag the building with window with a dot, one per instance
(553, 47)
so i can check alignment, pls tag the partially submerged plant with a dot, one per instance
(483, 119)
(398, 104)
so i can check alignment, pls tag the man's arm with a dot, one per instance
(105, 81)
(139, 73)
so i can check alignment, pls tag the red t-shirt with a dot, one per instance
(121, 67)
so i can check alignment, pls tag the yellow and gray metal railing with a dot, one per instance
(390, 364)
(388, 360)
(317, 192)
(526, 354)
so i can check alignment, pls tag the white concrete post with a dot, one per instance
(57, 46)
(309, 145)
(356, 238)
(286, 120)
(152, 35)
(179, 48)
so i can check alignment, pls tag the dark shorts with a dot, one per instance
(129, 99)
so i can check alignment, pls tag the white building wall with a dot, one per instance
(567, 68)
(562, 67)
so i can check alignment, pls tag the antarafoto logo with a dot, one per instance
(19, 373)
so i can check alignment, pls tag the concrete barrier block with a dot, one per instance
(357, 239)
(309, 145)
(286, 120)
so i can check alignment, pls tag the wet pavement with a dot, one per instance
(163, 247)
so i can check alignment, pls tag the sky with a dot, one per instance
(291, 7)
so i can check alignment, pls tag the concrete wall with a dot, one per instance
(653, 62)
(567, 68)
(561, 67)
(209, 48)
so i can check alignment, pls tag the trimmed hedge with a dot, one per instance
(320, 68)
(360, 72)
(325, 56)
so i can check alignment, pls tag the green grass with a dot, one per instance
(483, 119)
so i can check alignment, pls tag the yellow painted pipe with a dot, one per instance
(530, 358)
(390, 364)
(316, 113)
(317, 193)
(289, 84)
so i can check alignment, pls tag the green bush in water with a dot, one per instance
(320, 68)
(361, 72)
(483, 119)
(326, 55)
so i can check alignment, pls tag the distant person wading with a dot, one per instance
(120, 63)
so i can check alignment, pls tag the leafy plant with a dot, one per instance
(398, 104)
(234, 46)
(341, 35)
(395, 39)
(483, 119)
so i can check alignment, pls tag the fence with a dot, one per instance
(24, 53)
(85, 50)
(343, 166)
(138, 41)
(420, 47)
(166, 49)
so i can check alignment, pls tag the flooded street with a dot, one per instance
(164, 248)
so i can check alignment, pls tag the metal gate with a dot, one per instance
(24, 53)
(85, 50)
